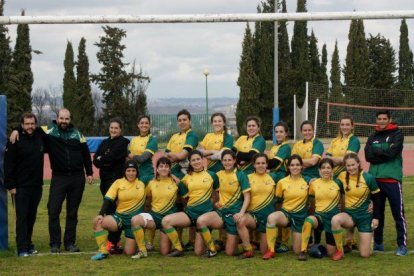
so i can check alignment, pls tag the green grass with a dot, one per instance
(190, 264)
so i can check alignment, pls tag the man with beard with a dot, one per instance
(23, 167)
(69, 158)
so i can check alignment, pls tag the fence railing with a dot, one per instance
(165, 125)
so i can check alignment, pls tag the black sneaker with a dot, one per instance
(189, 246)
(176, 253)
(219, 245)
(72, 248)
(32, 250)
(55, 249)
(116, 250)
(209, 254)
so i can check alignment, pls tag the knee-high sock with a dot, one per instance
(306, 233)
(139, 238)
(150, 235)
(173, 236)
(101, 238)
(271, 233)
(208, 239)
(338, 236)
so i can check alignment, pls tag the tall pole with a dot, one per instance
(276, 116)
(206, 73)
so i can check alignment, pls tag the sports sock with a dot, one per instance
(101, 238)
(150, 234)
(139, 236)
(306, 233)
(173, 236)
(271, 233)
(338, 236)
(208, 239)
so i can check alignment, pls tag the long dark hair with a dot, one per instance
(190, 169)
(224, 120)
(165, 161)
(256, 156)
(354, 156)
(290, 159)
(282, 124)
(144, 117)
(231, 153)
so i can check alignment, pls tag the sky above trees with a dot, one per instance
(174, 55)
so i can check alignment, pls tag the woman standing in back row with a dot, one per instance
(214, 143)
(247, 146)
(310, 149)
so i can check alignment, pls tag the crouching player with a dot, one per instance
(129, 194)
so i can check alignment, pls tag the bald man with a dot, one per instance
(70, 159)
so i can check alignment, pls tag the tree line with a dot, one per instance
(370, 63)
(120, 86)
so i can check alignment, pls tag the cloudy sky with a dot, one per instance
(174, 55)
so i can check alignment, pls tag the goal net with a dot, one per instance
(362, 105)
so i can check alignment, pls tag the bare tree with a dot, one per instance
(40, 99)
(55, 99)
(97, 103)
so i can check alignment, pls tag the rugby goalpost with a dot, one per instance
(192, 18)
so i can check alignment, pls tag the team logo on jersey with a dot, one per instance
(205, 180)
(304, 186)
(267, 183)
(234, 182)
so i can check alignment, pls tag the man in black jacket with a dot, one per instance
(69, 158)
(23, 166)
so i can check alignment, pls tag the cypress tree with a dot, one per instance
(357, 63)
(113, 79)
(314, 61)
(69, 81)
(405, 59)
(5, 54)
(324, 63)
(265, 71)
(300, 55)
(249, 102)
(84, 114)
(336, 86)
(19, 86)
(382, 57)
(285, 67)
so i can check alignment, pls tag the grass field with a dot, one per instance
(155, 264)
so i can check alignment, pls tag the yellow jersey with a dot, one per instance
(293, 193)
(216, 141)
(339, 147)
(141, 144)
(129, 196)
(246, 144)
(307, 150)
(262, 191)
(327, 194)
(358, 195)
(163, 193)
(198, 187)
(231, 187)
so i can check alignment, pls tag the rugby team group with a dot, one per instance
(273, 202)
